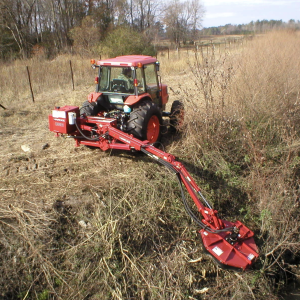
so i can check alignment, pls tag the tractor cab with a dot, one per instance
(131, 75)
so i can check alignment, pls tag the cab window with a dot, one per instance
(104, 79)
(140, 79)
(152, 82)
(150, 75)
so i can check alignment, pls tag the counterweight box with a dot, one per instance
(62, 119)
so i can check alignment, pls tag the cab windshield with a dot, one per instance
(120, 80)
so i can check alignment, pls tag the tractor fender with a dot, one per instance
(164, 93)
(93, 97)
(131, 100)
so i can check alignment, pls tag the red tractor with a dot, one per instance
(129, 90)
(126, 113)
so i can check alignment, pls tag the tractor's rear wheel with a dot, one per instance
(145, 122)
(89, 109)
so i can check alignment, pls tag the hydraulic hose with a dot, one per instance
(193, 216)
(184, 200)
(86, 137)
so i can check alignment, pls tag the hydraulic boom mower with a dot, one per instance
(230, 243)
(125, 112)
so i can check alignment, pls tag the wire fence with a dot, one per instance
(25, 79)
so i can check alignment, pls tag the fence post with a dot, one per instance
(29, 80)
(72, 75)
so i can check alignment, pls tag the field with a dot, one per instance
(78, 223)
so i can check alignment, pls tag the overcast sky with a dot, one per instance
(222, 12)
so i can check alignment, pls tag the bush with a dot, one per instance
(124, 41)
(86, 36)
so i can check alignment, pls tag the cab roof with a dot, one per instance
(127, 60)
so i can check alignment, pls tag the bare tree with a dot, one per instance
(182, 19)
(196, 12)
(144, 14)
(17, 18)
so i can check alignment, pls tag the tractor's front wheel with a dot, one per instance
(145, 122)
(176, 116)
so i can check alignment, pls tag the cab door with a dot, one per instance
(152, 86)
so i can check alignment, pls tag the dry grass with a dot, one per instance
(247, 138)
(78, 223)
(46, 77)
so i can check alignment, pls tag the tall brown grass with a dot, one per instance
(46, 76)
(247, 135)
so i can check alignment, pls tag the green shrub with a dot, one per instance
(86, 36)
(124, 41)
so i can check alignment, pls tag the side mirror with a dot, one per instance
(157, 66)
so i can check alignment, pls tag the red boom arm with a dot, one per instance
(230, 243)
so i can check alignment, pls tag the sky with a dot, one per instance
(222, 12)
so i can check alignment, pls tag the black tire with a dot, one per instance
(176, 116)
(138, 124)
(89, 109)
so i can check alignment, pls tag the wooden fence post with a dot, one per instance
(29, 80)
(72, 75)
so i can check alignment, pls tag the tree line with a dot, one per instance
(58, 25)
(111, 26)
(259, 26)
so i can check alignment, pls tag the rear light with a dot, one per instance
(135, 82)
(96, 79)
